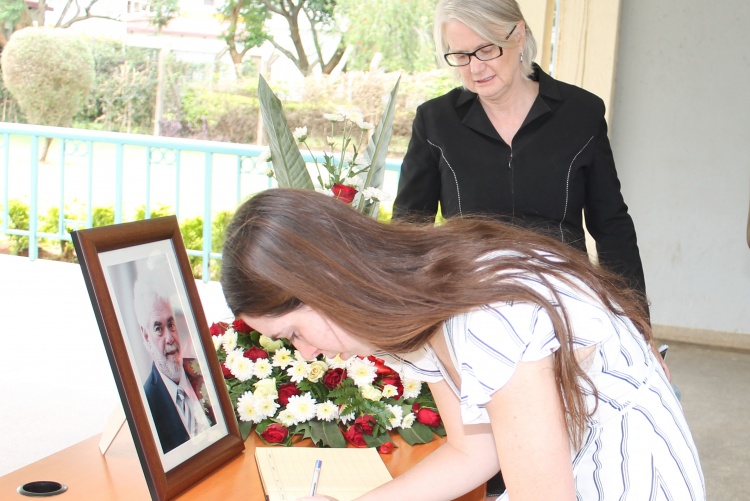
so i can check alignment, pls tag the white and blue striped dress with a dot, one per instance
(637, 446)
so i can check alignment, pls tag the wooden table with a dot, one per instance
(118, 474)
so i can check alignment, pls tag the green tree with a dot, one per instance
(161, 12)
(401, 32)
(50, 73)
(17, 14)
(248, 28)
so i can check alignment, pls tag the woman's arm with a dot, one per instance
(464, 462)
(607, 217)
(528, 423)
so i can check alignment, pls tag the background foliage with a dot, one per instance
(49, 72)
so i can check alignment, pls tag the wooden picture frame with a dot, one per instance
(137, 275)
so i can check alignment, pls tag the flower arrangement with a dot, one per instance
(334, 402)
(344, 172)
(354, 176)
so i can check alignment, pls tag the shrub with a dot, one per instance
(192, 235)
(18, 219)
(160, 211)
(49, 72)
(221, 116)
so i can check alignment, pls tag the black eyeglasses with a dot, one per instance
(483, 53)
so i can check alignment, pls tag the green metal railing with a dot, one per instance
(125, 171)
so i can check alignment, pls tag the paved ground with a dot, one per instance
(714, 384)
(58, 386)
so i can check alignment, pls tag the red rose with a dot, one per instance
(344, 193)
(394, 380)
(365, 423)
(287, 390)
(217, 329)
(333, 377)
(240, 326)
(428, 417)
(381, 369)
(354, 436)
(275, 434)
(255, 353)
(415, 407)
(386, 448)
(227, 373)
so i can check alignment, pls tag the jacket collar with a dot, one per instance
(475, 117)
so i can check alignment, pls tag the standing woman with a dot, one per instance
(513, 142)
(539, 361)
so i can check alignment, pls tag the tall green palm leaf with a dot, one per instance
(289, 166)
(377, 147)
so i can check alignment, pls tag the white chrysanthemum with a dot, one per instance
(247, 408)
(390, 391)
(242, 368)
(408, 420)
(318, 369)
(286, 418)
(361, 371)
(232, 357)
(337, 362)
(263, 368)
(369, 392)
(371, 194)
(282, 358)
(218, 341)
(334, 117)
(302, 407)
(412, 388)
(355, 116)
(331, 141)
(269, 344)
(266, 406)
(266, 388)
(398, 414)
(365, 125)
(230, 340)
(362, 161)
(327, 411)
(300, 133)
(298, 356)
(265, 155)
(298, 371)
(354, 182)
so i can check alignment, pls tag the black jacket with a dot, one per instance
(559, 165)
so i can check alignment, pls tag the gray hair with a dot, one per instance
(490, 19)
(144, 296)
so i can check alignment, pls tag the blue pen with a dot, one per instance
(316, 476)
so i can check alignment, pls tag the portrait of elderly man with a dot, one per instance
(173, 386)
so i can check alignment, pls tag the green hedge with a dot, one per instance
(50, 248)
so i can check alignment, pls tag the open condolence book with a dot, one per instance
(287, 472)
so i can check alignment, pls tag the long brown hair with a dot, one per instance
(395, 284)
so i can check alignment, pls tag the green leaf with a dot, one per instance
(326, 433)
(377, 147)
(377, 440)
(288, 165)
(246, 428)
(417, 434)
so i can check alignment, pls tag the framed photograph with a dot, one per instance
(162, 356)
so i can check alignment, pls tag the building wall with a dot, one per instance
(681, 139)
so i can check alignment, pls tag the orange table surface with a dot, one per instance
(118, 474)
